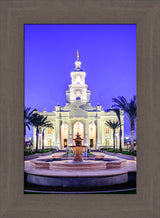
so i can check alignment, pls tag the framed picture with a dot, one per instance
(14, 203)
(79, 136)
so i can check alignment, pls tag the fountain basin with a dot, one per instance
(91, 173)
(48, 163)
(72, 165)
(70, 157)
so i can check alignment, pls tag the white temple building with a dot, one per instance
(78, 115)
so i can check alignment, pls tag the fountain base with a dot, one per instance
(77, 181)
(69, 173)
(43, 163)
(78, 158)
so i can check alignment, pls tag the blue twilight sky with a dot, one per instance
(107, 53)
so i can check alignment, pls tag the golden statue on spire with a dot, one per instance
(77, 55)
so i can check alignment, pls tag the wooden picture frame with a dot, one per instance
(13, 15)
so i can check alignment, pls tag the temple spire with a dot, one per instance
(77, 55)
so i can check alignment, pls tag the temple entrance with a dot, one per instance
(92, 135)
(65, 143)
(91, 143)
(78, 128)
(64, 135)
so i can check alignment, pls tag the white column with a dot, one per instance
(98, 133)
(103, 133)
(58, 132)
(86, 133)
(34, 137)
(70, 134)
(40, 139)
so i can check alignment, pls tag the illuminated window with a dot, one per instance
(78, 79)
(116, 130)
(49, 130)
(65, 127)
(49, 142)
(91, 126)
(107, 141)
(107, 129)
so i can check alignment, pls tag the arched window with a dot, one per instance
(78, 80)
(107, 130)
(78, 98)
(117, 130)
(107, 142)
(92, 134)
(49, 130)
(64, 135)
(49, 142)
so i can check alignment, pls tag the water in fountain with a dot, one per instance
(85, 155)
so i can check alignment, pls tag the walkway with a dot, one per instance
(36, 155)
(124, 156)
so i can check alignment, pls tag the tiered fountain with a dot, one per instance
(78, 149)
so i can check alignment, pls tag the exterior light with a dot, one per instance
(65, 127)
(91, 126)
(78, 128)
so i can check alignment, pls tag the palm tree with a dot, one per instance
(117, 111)
(48, 124)
(28, 115)
(130, 111)
(39, 121)
(113, 125)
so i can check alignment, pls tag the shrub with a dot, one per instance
(133, 153)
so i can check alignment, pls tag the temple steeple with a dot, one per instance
(78, 89)
(77, 55)
(78, 63)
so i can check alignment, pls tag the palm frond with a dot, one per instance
(40, 121)
(117, 111)
(113, 124)
(28, 117)
(121, 102)
(128, 108)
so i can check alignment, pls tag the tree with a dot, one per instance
(130, 111)
(39, 121)
(113, 125)
(117, 111)
(28, 115)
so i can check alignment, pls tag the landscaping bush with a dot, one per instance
(46, 150)
(89, 153)
(108, 150)
(69, 152)
(133, 153)
(30, 150)
(124, 151)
